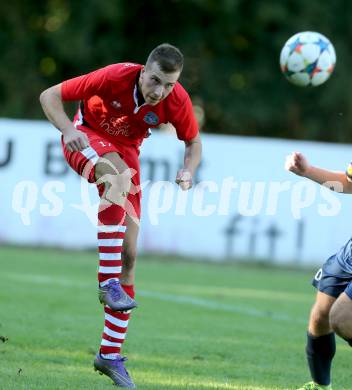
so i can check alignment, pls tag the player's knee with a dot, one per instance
(320, 314)
(116, 187)
(104, 167)
(116, 177)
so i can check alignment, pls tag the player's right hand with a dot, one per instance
(184, 179)
(75, 140)
(296, 163)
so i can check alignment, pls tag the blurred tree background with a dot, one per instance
(231, 47)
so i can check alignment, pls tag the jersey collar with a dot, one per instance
(135, 99)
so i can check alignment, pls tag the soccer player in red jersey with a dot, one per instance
(118, 105)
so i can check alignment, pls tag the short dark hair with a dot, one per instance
(168, 57)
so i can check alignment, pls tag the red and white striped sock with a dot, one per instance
(115, 329)
(111, 232)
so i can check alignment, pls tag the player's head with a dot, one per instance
(160, 73)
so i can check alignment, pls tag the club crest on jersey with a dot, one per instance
(151, 118)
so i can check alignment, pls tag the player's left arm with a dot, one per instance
(192, 158)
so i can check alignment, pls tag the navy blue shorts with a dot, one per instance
(331, 279)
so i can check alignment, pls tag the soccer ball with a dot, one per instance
(307, 58)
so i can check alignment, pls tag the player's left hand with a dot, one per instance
(184, 179)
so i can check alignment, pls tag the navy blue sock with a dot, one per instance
(320, 352)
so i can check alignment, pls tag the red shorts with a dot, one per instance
(83, 162)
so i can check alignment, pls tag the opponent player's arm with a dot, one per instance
(192, 157)
(298, 164)
(53, 107)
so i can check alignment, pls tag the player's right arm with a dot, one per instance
(298, 164)
(52, 104)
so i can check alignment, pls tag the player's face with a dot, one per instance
(155, 84)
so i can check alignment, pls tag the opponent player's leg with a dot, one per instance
(330, 281)
(319, 323)
(113, 174)
(341, 315)
(321, 347)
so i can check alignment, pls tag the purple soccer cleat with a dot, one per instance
(114, 296)
(114, 369)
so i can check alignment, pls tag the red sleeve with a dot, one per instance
(184, 121)
(83, 87)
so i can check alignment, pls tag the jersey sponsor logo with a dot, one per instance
(151, 118)
(116, 126)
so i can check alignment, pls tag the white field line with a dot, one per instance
(44, 279)
(179, 299)
(212, 305)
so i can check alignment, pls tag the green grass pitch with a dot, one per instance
(198, 325)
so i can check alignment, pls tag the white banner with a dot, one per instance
(244, 204)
